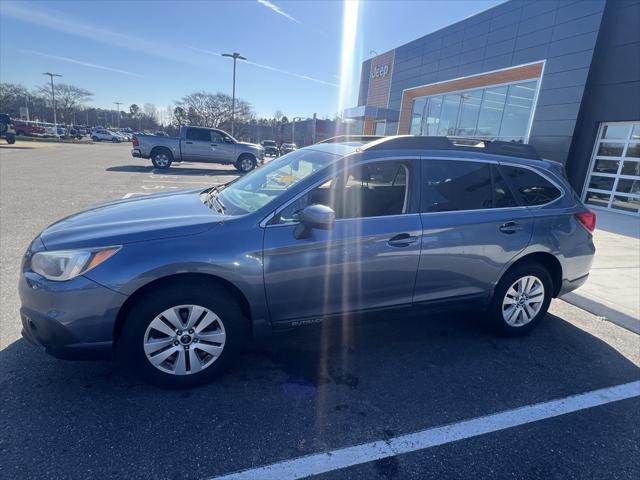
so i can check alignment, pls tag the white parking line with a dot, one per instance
(347, 457)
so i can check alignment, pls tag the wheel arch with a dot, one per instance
(160, 148)
(548, 261)
(213, 280)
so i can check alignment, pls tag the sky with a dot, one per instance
(303, 57)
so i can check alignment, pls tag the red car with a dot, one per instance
(27, 128)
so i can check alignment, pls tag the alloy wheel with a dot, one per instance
(246, 164)
(184, 339)
(162, 159)
(523, 301)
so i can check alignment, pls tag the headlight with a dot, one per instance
(67, 264)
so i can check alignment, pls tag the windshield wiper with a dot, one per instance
(213, 201)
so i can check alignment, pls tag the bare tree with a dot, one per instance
(213, 110)
(68, 98)
(12, 97)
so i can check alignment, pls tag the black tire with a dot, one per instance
(162, 158)
(115, 140)
(95, 139)
(245, 163)
(130, 349)
(495, 316)
(11, 139)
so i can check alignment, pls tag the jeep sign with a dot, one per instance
(380, 72)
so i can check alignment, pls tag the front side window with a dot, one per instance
(532, 188)
(367, 190)
(263, 185)
(451, 185)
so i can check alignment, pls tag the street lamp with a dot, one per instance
(235, 56)
(53, 98)
(118, 105)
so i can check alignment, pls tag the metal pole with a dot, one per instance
(26, 105)
(53, 97)
(235, 56)
(118, 105)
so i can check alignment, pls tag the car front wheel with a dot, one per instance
(181, 337)
(521, 299)
(245, 163)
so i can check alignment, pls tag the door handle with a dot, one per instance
(510, 227)
(401, 240)
(189, 143)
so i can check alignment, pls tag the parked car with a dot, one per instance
(28, 128)
(173, 284)
(270, 148)
(6, 129)
(102, 134)
(198, 144)
(287, 147)
(160, 133)
(124, 136)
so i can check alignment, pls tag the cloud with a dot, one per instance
(270, 68)
(37, 15)
(80, 62)
(277, 10)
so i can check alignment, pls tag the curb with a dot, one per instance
(614, 316)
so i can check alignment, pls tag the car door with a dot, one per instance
(368, 260)
(472, 227)
(223, 147)
(197, 145)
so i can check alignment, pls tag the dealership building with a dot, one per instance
(561, 75)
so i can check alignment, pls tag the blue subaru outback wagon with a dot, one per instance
(172, 284)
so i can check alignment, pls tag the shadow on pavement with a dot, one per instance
(307, 390)
(175, 170)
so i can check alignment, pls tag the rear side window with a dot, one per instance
(532, 188)
(450, 186)
(199, 135)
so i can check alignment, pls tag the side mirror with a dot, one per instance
(314, 216)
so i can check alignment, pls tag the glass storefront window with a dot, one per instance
(517, 112)
(614, 179)
(432, 117)
(501, 112)
(417, 113)
(449, 114)
(469, 113)
(491, 112)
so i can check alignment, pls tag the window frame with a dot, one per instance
(515, 191)
(497, 164)
(414, 189)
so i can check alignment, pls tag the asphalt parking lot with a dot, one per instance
(314, 390)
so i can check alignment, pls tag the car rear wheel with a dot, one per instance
(521, 299)
(162, 159)
(182, 336)
(95, 139)
(11, 139)
(245, 163)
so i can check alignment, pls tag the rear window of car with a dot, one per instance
(463, 185)
(532, 187)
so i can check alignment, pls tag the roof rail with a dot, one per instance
(352, 138)
(495, 147)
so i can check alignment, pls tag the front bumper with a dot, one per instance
(72, 319)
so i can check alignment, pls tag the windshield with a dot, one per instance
(264, 185)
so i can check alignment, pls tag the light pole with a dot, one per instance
(53, 97)
(118, 105)
(235, 56)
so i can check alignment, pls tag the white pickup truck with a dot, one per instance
(197, 144)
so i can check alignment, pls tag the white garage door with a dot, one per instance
(614, 175)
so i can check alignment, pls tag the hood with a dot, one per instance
(252, 145)
(137, 219)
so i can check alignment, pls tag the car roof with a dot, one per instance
(447, 147)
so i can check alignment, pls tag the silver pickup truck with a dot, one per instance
(198, 144)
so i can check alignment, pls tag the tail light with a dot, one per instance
(134, 141)
(587, 219)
